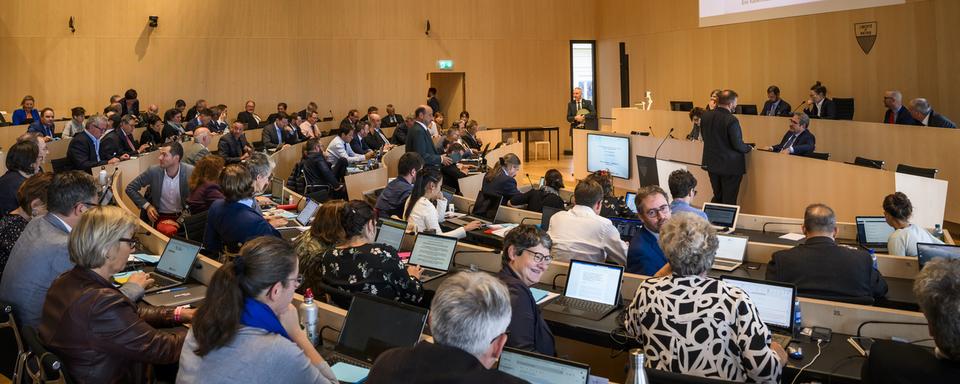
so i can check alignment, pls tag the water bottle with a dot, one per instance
(873, 256)
(308, 317)
(797, 318)
(636, 374)
(938, 232)
(103, 176)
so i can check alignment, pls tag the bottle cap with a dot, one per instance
(308, 294)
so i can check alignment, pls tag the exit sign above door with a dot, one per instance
(445, 65)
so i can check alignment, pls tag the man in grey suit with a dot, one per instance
(41, 253)
(419, 140)
(168, 189)
(201, 136)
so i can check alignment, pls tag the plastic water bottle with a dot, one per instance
(308, 317)
(938, 232)
(103, 176)
(636, 374)
(797, 318)
(873, 256)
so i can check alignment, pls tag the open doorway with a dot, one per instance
(451, 92)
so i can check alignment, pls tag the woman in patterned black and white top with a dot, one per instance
(696, 325)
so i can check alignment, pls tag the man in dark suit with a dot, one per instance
(351, 120)
(360, 137)
(896, 113)
(311, 107)
(218, 121)
(281, 108)
(196, 108)
(432, 100)
(234, 147)
(419, 140)
(203, 119)
(469, 136)
(819, 106)
(403, 130)
(798, 140)
(775, 106)
(814, 265)
(923, 113)
(248, 117)
(377, 140)
(84, 149)
(279, 134)
(317, 171)
(723, 149)
(577, 103)
(392, 119)
(43, 127)
(120, 142)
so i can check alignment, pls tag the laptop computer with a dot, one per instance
(486, 214)
(730, 252)
(627, 227)
(722, 217)
(873, 232)
(775, 303)
(374, 325)
(177, 296)
(592, 291)
(434, 253)
(542, 369)
(929, 251)
(175, 264)
(545, 215)
(276, 190)
(631, 200)
(391, 232)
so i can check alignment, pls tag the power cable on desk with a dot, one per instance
(819, 351)
(327, 327)
(840, 363)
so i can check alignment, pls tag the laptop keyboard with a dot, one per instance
(161, 281)
(724, 263)
(580, 304)
(429, 274)
(338, 358)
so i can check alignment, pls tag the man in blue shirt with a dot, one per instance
(644, 255)
(683, 187)
(394, 196)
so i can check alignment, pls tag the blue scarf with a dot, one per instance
(259, 315)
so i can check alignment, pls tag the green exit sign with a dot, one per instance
(444, 65)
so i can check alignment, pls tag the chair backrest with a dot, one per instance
(682, 106)
(862, 300)
(11, 345)
(656, 376)
(818, 155)
(845, 108)
(194, 225)
(40, 365)
(746, 109)
(865, 162)
(61, 165)
(917, 171)
(333, 295)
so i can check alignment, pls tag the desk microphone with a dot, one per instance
(529, 181)
(661, 143)
(801, 105)
(649, 128)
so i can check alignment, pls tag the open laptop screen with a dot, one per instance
(873, 229)
(308, 211)
(433, 251)
(927, 252)
(731, 247)
(773, 300)
(374, 325)
(178, 257)
(627, 227)
(594, 282)
(488, 212)
(540, 369)
(391, 233)
(721, 215)
(276, 189)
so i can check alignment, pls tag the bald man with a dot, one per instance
(896, 112)
(202, 136)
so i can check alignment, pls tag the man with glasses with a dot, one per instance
(40, 254)
(644, 256)
(84, 149)
(582, 234)
(526, 256)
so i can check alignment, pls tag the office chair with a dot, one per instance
(818, 155)
(40, 365)
(12, 344)
(917, 171)
(681, 106)
(845, 108)
(870, 163)
(61, 165)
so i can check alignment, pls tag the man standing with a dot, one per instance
(896, 113)
(798, 140)
(921, 111)
(168, 189)
(419, 140)
(723, 149)
(432, 100)
(234, 147)
(581, 113)
(84, 150)
(775, 106)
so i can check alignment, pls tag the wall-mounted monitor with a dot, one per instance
(610, 153)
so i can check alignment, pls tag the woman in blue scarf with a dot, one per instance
(248, 329)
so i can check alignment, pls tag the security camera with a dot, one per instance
(153, 21)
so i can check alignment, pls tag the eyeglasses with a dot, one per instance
(89, 204)
(663, 209)
(539, 257)
(501, 334)
(298, 280)
(134, 243)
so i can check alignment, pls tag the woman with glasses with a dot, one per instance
(100, 334)
(248, 329)
(526, 255)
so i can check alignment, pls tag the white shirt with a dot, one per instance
(903, 242)
(340, 149)
(425, 216)
(307, 129)
(170, 194)
(820, 107)
(69, 228)
(434, 131)
(582, 234)
(926, 120)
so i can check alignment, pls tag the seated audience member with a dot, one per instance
(421, 210)
(340, 148)
(153, 136)
(202, 137)
(40, 254)
(451, 136)
(350, 121)
(818, 106)
(311, 107)
(203, 184)
(370, 111)
(43, 151)
(281, 109)
(202, 119)
(173, 126)
(580, 233)
(360, 136)
(358, 265)
(526, 255)
(897, 209)
(101, 335)
(219, 123)
(683, 188)
(248, 330)
(420, 140)
(703, 316)
(714, 98)
(798, 140)
(436, 125)
(469, 317)
(896, 112)
(120, 142)
(27, 114)
(376, 139)
(32, 201)
(44, 127)
(130, 105)
(279, 134)
(400, 134)
(695, 115)
(234, 147)
(317, 171)
(308, 128)
(500, 181)
(851, 275)
(775, 106)
(453, 172)
(75, 125)
(21, 163)
(393, 198)
(392, 118)
(168, 182)
(180, 105)
(923, 113)
(84, 150)
(325, 233)
(644, 256)
(236, 219)
(469, 136)
(937, 289)
(612, 206)
(249, 118)
(196, 109)
(546, 196)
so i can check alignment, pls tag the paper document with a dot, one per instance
(793, 236)
(152, 259)
(347, 373)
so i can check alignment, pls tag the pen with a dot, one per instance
(172, 290)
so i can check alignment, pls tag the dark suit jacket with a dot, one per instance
(939, 121)
(271, 141)
(191, 113)
(536, 199)
(232, 149)
(317, 171)
(528, 330)
(821, 268)
(804, 144)
(113, 145)
(216, 126)
(471, 141)
(82, 153)
(433, 363)
(191, 125)
(829, 110)
(903, 117)
(359, 145)
(374, 141)
(169, 131)
(590, 121)
(434, 103)
(501, 185)
(419, 141)
(149, 136)
(400, 134)
(133, 110)
(43, 130)
(893, 362)
(783, 109)
(9, 184)
(723, 147)
(230, 224)
(248, 119)
(391, 120)
(644, 255)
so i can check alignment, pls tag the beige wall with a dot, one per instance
(342, 54)
(915, 52)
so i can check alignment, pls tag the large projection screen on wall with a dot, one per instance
(719, 12)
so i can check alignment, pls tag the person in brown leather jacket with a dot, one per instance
(100, 335)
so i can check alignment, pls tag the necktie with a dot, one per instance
(789, 142)
(129, 143)
(578, 106)
(773, 109)
(891, 119)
